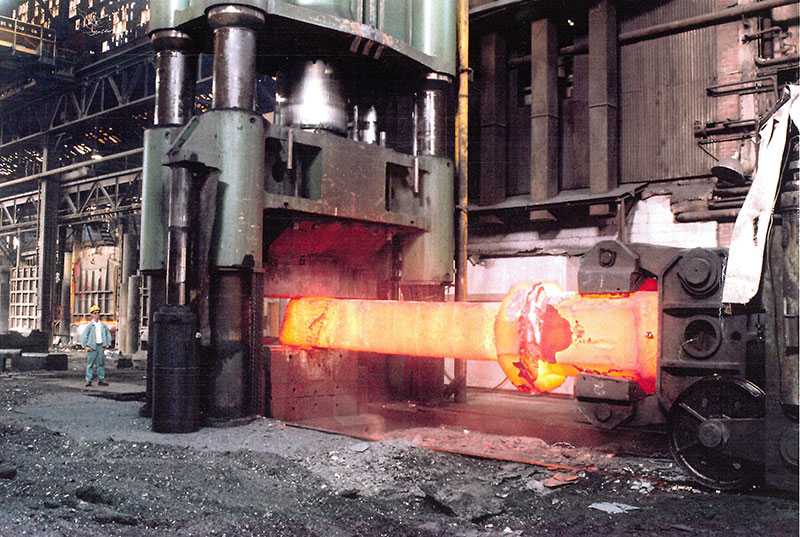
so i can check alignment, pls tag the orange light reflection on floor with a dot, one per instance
(538, 334)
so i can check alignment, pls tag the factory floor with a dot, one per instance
(81, 461)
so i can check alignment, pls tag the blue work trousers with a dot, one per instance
(93, 356)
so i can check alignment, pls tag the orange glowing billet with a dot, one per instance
(544, 335)
(539, 334)
(437, 329)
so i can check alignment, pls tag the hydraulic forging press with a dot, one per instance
(349, 175)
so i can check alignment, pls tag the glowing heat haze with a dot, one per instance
(539, 334)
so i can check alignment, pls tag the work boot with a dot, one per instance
(102, 383)
(88, 382)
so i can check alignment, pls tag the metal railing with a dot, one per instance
(24, 38)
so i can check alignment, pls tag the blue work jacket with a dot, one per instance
(88, 338)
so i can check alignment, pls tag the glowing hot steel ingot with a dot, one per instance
(539, 334)
(544, 335)
(437, 329)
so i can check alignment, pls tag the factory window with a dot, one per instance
(22, 11)
(106, 46)
(144, 17)
(119, 25)
(73, 9)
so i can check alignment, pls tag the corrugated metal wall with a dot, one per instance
(663, 92)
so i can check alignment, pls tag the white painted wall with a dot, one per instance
(652, 222)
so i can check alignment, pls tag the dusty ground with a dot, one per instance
(75, 464)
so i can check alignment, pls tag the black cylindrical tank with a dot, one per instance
(176, 407)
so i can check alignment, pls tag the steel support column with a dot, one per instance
(130, 260)
(66, 293)
(47, 250)
(134, 307)
(492, 183)
(5, 298)
(603, 98)
(544, 110)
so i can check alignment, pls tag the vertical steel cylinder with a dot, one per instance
(178, 239)
(175, 70)
(155, 300)
(431, 115)
(234, 72)
(133, 318)
(227, 392)
(66, 294)
(369, 134)
(129, 264)
(5, 298)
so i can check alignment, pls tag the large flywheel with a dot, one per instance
(716, 431)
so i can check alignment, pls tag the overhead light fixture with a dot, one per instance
(729, 170)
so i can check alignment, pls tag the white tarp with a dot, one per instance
(746, 254)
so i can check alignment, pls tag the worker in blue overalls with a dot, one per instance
(95, 338)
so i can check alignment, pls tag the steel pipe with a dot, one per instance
(769, 62)
(70, 167)
(660, 30)
(707, 216)
(462, 123)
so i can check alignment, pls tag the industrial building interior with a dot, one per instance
(362, 215)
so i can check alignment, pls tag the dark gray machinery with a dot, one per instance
(351, 176)
(727, 380)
